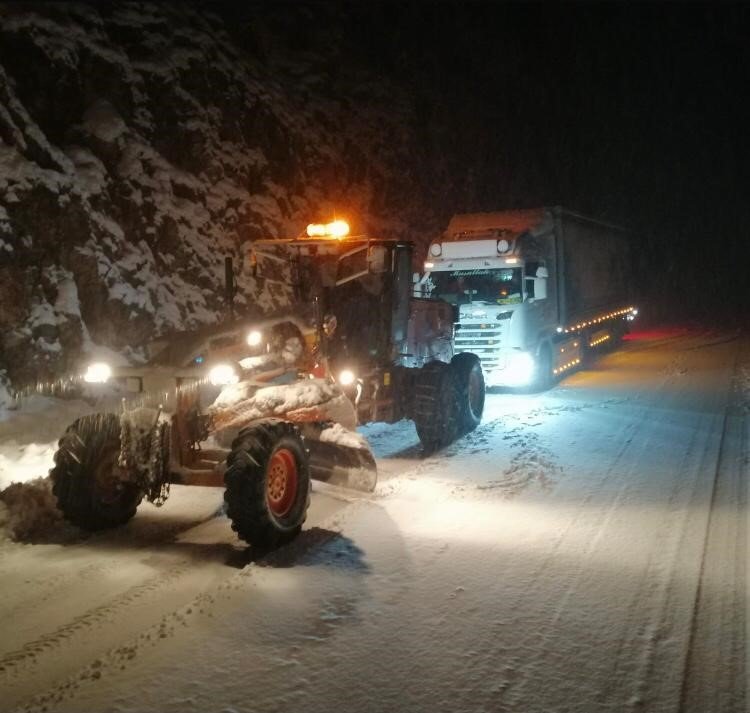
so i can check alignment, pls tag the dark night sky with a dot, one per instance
(637, 112)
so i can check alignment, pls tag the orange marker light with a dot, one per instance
(337, 229)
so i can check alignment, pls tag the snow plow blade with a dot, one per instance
(342, 466)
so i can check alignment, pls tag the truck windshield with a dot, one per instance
(498, 286)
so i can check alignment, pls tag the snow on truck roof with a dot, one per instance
(514, 221)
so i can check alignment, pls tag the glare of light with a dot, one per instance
(98, 373)
(559, 330)
(335, 229)
(635, 312)
(511, 260)
(520, 369)
(436, 249)
(429, 265)
(346, 377)
(223, 374)
(338, 228)
(316, 230)
(254, 338)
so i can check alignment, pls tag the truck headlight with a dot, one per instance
(520, 369)
(346, 377)
(223, 374)
(98, 373)
(254, 338)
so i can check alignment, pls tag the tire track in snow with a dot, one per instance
(664, 580)
(510, 691)
(96, 618)
(52, 586)
(532, 463)
(656, 583)
(718, 635)
(117, 659)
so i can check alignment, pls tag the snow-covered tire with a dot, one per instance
(436, 406)
(88, 494)
(469, 381)
(268, 484)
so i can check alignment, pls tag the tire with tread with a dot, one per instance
(246, 479)
(469, 379)
(85, 493)
(436, 406)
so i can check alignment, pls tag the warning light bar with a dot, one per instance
(337, 229)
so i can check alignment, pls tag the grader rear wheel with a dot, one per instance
(89, 491)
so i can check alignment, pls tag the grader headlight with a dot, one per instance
(98, 373)
(254, 338)
(222, 375)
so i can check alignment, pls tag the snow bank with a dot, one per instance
(28, 510)
(29, 433)
(20, 463)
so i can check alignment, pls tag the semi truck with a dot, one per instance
(534, 292)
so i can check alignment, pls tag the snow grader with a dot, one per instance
(264, 407)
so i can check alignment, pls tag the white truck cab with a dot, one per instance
(532, 290)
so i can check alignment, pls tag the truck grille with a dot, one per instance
(480, 338)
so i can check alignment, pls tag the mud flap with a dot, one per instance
(342, 465)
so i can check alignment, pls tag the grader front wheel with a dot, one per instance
(268, 484)
(437, 410)
(471, 390)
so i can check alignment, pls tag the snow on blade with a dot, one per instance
(341, 436)
(244, 402)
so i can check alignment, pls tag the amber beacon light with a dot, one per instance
(337, 229)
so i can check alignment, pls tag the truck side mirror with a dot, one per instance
(536, 282)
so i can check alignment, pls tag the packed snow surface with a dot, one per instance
(584, 549)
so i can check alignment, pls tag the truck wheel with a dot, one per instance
(84, 479)
(544, 376)
(470, 385)
(268, 484)
(436, 406)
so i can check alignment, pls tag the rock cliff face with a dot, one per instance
(140, 145)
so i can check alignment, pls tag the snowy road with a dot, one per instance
(584, 550)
